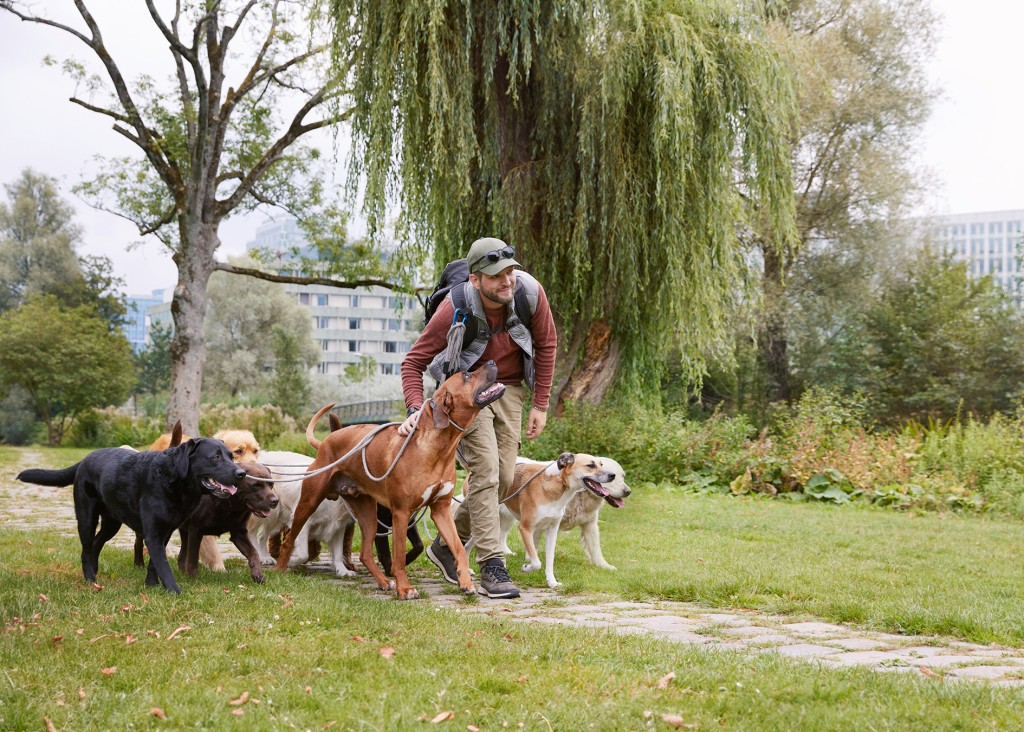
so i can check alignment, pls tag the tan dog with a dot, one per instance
(406, 474)
(243, 446)
(539, 496)
(583, 509)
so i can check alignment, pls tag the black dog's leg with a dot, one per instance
(87, 512)
(108, 527)
(158, 566)
(140, 559)
(240, 538)
(417, 545)
(381, 542)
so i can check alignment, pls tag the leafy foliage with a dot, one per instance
(603, 139)
(77, 365)
(38, 238)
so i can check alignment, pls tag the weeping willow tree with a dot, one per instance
(611, 142)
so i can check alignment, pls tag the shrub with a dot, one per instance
(266, 422)
(112, 427)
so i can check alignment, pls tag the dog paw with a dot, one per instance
(530, 567)
(410, 594)
(258, 579)
(344, 571)
(468, 589)
(554, 584)
(268, 562)
(609, 567)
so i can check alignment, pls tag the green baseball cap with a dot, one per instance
(490, 256)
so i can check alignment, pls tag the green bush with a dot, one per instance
(266, 422)
(291, 442)
(18, 422)
(111, 427)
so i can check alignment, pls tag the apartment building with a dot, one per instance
(989, 242)
(347, 324)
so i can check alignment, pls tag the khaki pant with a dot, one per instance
(488, 451)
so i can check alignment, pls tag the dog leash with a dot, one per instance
(362, 445)
(520, 488)
(412, 522)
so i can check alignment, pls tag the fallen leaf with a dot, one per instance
(507, 637)
(240, 700)
(387, 651)
(225, 590)
(442, 717)
(49, 725)
(97, 587)
(648, 714)
(80, 631)
(700, 559)
(238, 712)
(81, 693)
(929, 673)
(522, 678)
(665, 680)
(129, 639)
(127, 608)
(144, 596)
(43, 598)
(109, 671)
(157, 712)
(155, 633)
(309, 689)
(179, 629)
(673, 720)
(57, 638)
(472, 728)
(359, 639)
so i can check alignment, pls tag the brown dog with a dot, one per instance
(538, 499)
(215, 516)
(412, 472)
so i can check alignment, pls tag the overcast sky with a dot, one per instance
(973, 143)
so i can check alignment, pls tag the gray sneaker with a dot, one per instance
(442, 556)
(494, 580)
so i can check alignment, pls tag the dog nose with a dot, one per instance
(627, 491)
(239, 473)
(274, 501)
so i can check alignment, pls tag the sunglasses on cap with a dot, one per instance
(495, 255)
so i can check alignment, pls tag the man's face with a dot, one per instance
(495, 290)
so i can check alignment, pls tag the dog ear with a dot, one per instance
(183, 457)
(176, 434)
(565, 460)
(442, 409)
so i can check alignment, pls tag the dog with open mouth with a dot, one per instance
(404, 474)
(215, 516)
(539, 496)
(151, 492)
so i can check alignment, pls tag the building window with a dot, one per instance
(353, 346)
(325, 345)
(390, 347)
(387, 369)
(303, 298)
(355, 301)
(321, 300)
(353, 323)
(394, 324)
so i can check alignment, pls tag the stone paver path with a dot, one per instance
(827, 644)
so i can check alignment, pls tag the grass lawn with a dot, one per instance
(306, 653)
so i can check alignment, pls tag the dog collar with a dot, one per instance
(453, 422)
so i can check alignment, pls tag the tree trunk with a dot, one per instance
(595, 369)
(195, 263)
(772, 345)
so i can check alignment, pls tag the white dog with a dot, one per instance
(581, 511)
(328, 523)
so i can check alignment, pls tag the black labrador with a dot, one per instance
(151, 492)
(215, 516)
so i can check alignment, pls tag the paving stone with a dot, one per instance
(664, 623)
(940, 661)
(816, 628)
(857, 644)
(769, 640)
(805, 650)
(727, 618)
(865, 658)
(984, 672)
(746, 630)
(921, 651)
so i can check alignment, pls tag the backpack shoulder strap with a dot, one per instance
(460, 303)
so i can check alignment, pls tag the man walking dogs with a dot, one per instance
(522, 353)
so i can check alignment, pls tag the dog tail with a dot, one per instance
(55, 478)
(310, 437)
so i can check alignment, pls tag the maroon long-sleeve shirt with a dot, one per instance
(501, 349)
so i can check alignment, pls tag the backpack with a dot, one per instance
(454, 274)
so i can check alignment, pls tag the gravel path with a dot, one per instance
(827, 644)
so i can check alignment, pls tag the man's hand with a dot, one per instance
(535, 423)
(405, 429)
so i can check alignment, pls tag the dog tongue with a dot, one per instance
(615, 502)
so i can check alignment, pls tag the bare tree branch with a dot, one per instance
(100, 110)
(297, 280)
(296, 130)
